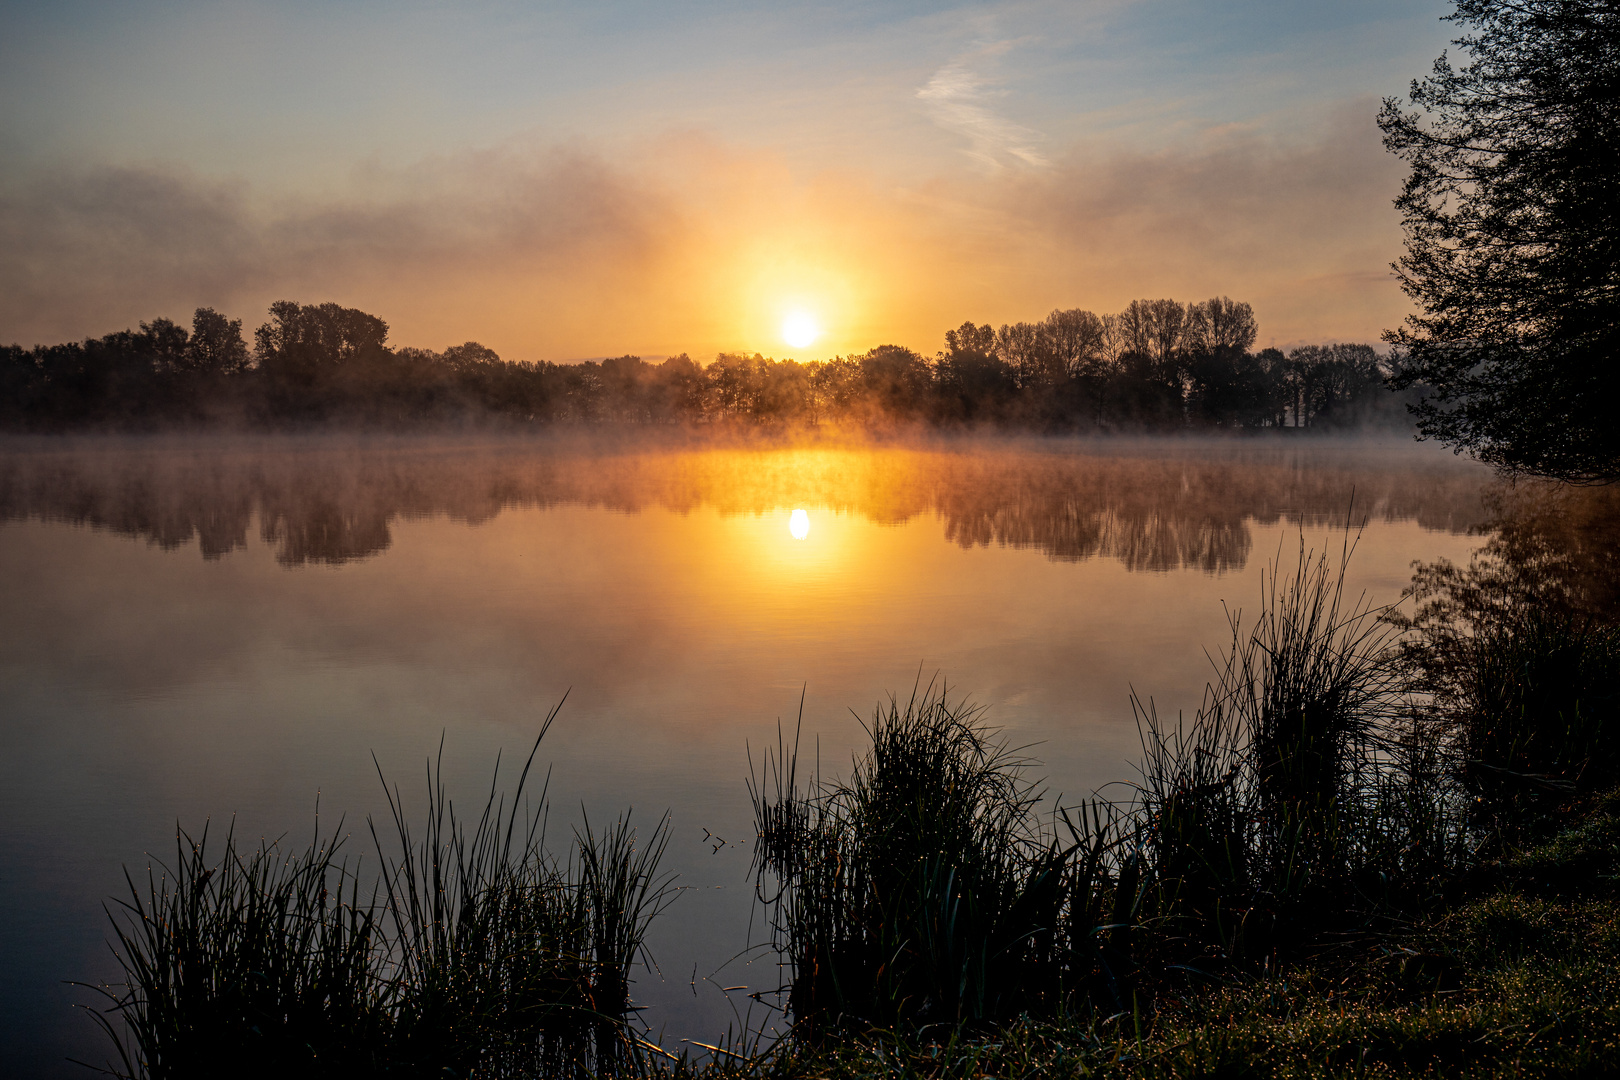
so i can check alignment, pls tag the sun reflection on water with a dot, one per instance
(799, 524)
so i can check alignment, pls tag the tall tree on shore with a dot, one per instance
(216, 346)
(307, 352)
(1512, 218)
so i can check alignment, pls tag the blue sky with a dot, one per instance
(963, 121)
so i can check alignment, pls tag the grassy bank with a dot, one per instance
(1516, 973)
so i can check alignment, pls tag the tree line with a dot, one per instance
(1157, 365)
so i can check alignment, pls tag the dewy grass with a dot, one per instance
(473, 951)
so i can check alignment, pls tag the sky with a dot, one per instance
(569, 180)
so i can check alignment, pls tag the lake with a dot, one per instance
(200, 629)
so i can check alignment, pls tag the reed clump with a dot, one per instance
(922, 890)
(1313, 801)
(472, 951)
(259, 956)
(1303, 798)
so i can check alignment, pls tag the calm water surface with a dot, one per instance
(195, 630)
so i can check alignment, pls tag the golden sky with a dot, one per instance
(591, 180)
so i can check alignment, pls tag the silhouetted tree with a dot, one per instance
(680, 388)
(19, 385)
(838, 388)
(1225, 384)
(1078, 340)
(1028, 354)
(784, 391)
(1274, 364)
(624, 389)
(1147, 390)
(311, 356)
(735, 381)
(216, 346)
(1512, 217)
(1230, 388)
(896, 380)
(1154, 335)
(1349, 381)
(1219, 324)
(160, 344)
(973, 380)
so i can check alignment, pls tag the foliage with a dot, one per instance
(1512, 241)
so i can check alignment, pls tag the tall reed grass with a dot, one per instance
(1289, 792)
(925, 890)
(471, 951)
(258, 960)
(917, 889)
(1299, 803)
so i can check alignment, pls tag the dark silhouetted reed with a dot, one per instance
(259, 962)
(471, 952)
(923, 889)
(1266, 812)
(1301, 801)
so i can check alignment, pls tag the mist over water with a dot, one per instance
(193, 628)
(1152, 504)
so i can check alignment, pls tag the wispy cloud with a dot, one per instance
(959, 97)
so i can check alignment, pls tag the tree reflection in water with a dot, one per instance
(1552, 547)
(331, 499)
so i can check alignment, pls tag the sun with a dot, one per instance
(799, 524)
(800, 329)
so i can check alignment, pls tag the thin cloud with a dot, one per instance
(958, 97)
